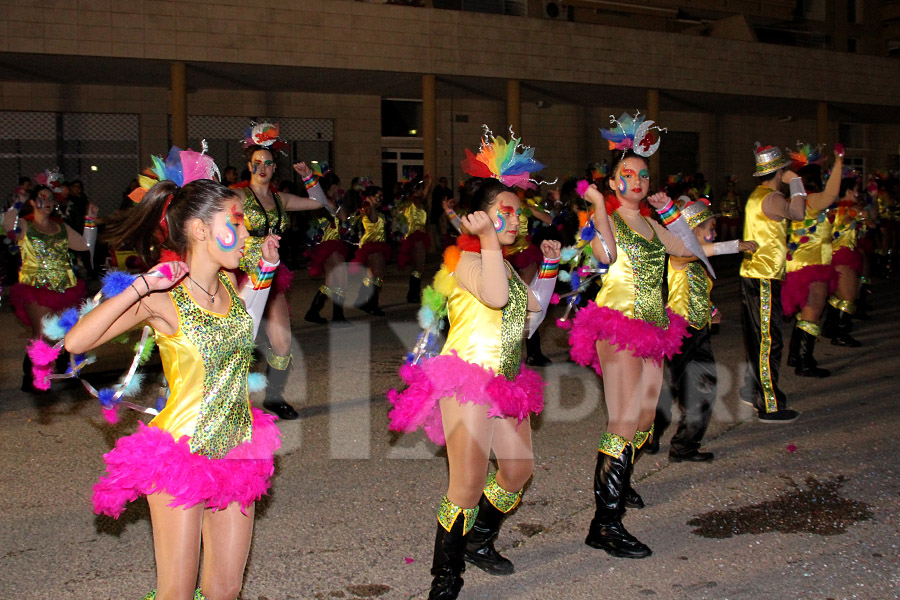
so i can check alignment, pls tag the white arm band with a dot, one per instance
(729, 247)
(797, 189)
(255, 292)
(318, 194)
(542, 288)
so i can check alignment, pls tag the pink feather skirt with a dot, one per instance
(151, 460)
(449, 376)
(848, 258)
(321, 252)
(21, 295)
(795, 289)
(362, 253)
(404, 254)
(644, 340)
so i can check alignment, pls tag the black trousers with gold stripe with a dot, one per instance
(761, 321)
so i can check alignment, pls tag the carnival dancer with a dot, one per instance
(47, 282)
(265, 213)
(729, 219)
(416, 241)
(847, 219)
(692, 372)
(766, 215)
(810, 278)
(329, 255)
(627, 332)
(474, 394)
(207, 457)
(374, 250)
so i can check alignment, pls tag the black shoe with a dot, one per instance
(785, 415)
(276, 381)
(318, 302)
(845, 340)
(448, 565)
(812, 371)
(281, 409)
(370, 304)
(337, 313)
(414, 293)
(534, 357)
(611, 479)
(695, 456)
(806, 365)
(633, 499)
(480, 549)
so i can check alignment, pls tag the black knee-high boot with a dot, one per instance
(414, 294)
(793, 357)
(806, 362)
(449, 547)
(845, 324)
(642, 439)
(610, 482)
(493, 507)
(533, 354)
(337, 309)
(318, 302)
(277, 372)
(367, 301)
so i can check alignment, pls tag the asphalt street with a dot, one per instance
(805, 510)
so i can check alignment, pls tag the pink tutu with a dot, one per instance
(21, 295)
(848, 258)
(320, 253)
(150, 461)
(527, 257)
(644, 340)
(404, 255)
(448, 376)
(795, 290)
(362, 255)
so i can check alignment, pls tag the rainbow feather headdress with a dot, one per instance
(180, 167)
(502, 160)
(263, 134)
(806, 154)
(632, 133)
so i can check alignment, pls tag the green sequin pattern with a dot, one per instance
(501, 499)
(513, 325)
(699, 312)
(255, 219)
(641, 437)
(612, 444)
(51, 252)
(448, 513)
(648, 260)
(225, 344)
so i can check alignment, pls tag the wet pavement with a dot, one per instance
(809, 509)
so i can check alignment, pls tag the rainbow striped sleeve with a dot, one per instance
(263, 277)
(549, 268)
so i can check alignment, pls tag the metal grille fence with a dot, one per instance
(99, 149)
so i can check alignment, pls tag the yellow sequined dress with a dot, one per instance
(207, 445)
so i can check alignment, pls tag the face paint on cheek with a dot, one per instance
(254, 168)
(623, 185)
(229, 241)
(500, 223)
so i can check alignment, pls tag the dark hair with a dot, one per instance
(369, 191)
(812, 178)
(482, 192)
(27, 208)
(249, 150)
(620, 158)
(329, 179)
(24, 179)
(847, 183)
(139, 228)
(769, 176)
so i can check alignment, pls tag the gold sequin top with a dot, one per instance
(730, 206)
(489, 337)
(415, 218)
(255, 222)
(846, 225)
(373, 232)
(633, 285)
(206, 363)
(689, 290)
(332, 231)
(809, 241)
(768, 261)
(45, 260)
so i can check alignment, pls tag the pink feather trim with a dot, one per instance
(582, 186)
(41, 353)
(795, 289)
(321, 252)
(111, 414)
(404, 254)
(847, 258)
(283, 278)
(165, 270)
(151, 461)
(21, 295)
(362, 254)
(448, 376)
(644, 340)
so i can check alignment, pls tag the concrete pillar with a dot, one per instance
(653, 115)
(178, 101)
(429, 128)
(513, 107)
(823, 127)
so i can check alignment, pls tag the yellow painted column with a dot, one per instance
(429, 128)
(513, 107)
(178, 101)
(653, 115)
(823, 128)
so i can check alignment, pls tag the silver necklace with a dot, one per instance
(212, 296)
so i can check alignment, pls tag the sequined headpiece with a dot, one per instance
(54, 180)
(263, 134)
(632, 133)
(806, 154)
(180, 167)
(768, 160)
(504, 161)
(697, 212)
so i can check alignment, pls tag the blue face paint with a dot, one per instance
(229, 242)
